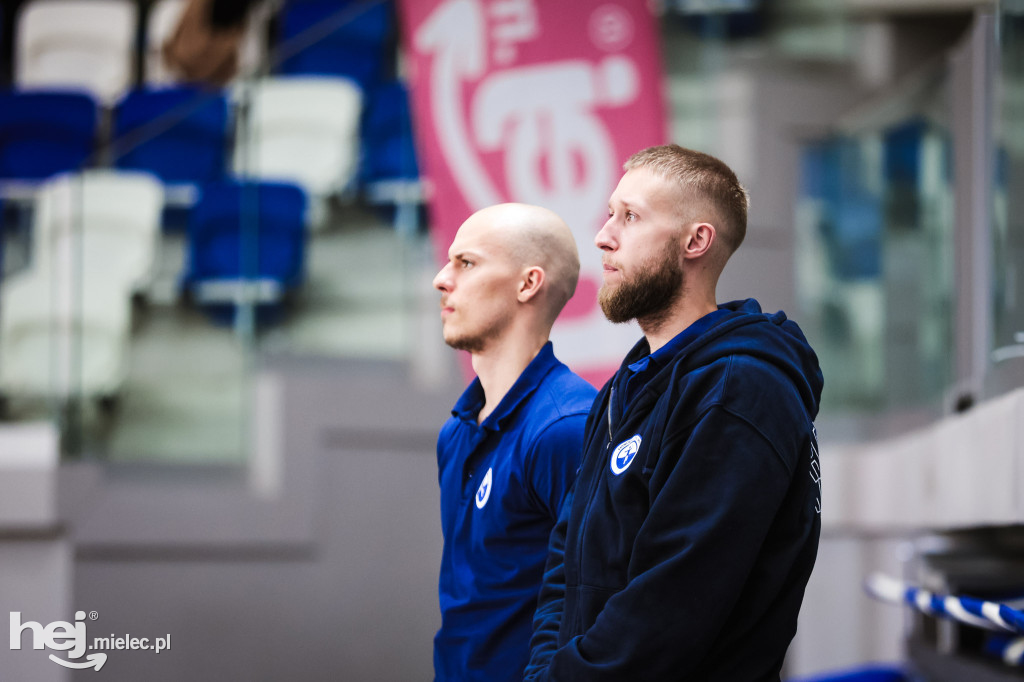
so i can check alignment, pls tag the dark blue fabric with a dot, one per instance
(357, 44)
(389, 149)
(247, 231)
(253, 230)
(45, 132)
(694, 524)
(179, 134)
(636, 375)
(496, 537)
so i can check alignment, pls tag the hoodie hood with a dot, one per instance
(747, 330)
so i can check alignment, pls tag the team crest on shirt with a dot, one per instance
(623, 454)
(483, 493)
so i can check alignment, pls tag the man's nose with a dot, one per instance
(605, 237)
(442, 280)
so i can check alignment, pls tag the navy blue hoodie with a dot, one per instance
(685, 549)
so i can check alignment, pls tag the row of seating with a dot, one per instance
(258, 161)
(85, 47)
(90, 44)
(65, 322)
(311, 131)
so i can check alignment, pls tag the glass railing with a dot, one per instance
(1008, 199)
(209, 226)
(875, 256)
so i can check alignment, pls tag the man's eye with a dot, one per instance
(630, 216)
(466, 264)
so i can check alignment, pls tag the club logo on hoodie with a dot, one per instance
(483, 493)
(623, 454)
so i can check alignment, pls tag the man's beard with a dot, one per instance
(469, 343)
(649, 294)
(477, 340)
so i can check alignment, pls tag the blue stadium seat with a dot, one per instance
(388, 149)
(179, 134)
(358, 49)
(246, 237)
(389, 171)
(45, 132)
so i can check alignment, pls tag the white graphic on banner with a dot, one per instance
(543, 119)
(515, 21)
(455, 34)
(610, 28)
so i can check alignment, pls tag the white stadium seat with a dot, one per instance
(60, 338)
(77, 44)
(105, 224)
(303, 130)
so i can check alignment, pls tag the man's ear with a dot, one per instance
(531, 282)
(698, 240)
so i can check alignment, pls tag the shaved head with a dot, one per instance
(532, 236)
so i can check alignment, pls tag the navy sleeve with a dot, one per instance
(548, 617)
(713, 498)
(554, 462)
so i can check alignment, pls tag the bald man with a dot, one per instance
(510, 451)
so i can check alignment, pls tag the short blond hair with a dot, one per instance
(704, 178)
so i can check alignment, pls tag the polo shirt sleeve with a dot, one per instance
(554, 462)
(548, 616)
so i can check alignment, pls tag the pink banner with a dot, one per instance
(537, 101)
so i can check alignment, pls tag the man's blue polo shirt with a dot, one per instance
(502, 485)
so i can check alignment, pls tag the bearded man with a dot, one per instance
(510, 451)
(685, 550)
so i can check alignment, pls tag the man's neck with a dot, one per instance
(499, 366)
(685, 312)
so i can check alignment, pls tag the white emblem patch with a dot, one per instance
(483, 493)
(624, 453)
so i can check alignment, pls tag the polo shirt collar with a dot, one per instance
(472, 400)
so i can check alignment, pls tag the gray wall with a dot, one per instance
(342, 585)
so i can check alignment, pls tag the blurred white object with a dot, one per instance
(60, 337)
(303, 130)
(77, 44)
(100, 225)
